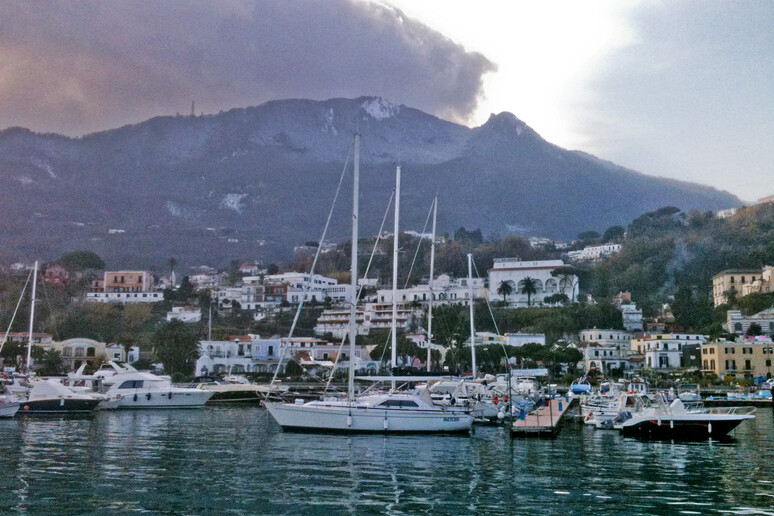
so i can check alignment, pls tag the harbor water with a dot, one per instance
(236, 460)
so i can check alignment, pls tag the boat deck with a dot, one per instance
(543, 422)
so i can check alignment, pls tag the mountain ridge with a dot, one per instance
(254, 182)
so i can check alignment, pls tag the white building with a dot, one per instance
(186, 314)
(519, 339)
(739, 324)
(595, 252)
(249, 296)
(251, 353)
(607, 349)
(725, 214)
(372, 316)
(314, 287)
(665, 350)
(632, 317)
(514, 271)
(445, 290)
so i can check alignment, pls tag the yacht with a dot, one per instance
(8, 406)
(679, 420)
(225, 391)
(136, 389)
(50, 396)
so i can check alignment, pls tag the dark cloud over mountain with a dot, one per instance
(76, 67)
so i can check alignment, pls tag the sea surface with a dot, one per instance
(236, 460)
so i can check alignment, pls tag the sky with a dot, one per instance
(679, 88)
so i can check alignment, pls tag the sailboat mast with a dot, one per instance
(354, 269)
(32, 314)
(472, 327)
(395, 238)
(432, 295)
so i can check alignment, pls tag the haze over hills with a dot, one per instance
(254, 182)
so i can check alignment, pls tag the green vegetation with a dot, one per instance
(177, 346)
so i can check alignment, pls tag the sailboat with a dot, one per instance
(392, 412)
(46, 396)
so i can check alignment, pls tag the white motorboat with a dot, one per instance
(389, 413)
(392, 413)
(225, 391)
(50, 396)
(8, 406)
(654, 418)
(136, 390)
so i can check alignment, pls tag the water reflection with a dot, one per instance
(236, 460)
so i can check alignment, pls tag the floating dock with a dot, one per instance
(543, 422)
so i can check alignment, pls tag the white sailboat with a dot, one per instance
(36, 395)
(388, 413)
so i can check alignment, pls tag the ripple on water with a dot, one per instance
(237, 461)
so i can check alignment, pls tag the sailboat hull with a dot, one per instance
(343, 419)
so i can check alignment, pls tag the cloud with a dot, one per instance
(691, 97)
(77, 67)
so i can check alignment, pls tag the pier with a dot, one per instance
(543, 422)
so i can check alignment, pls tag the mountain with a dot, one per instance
(255, 182)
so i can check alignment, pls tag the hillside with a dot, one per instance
(254, 182)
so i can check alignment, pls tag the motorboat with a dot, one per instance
(8, 406)
(93, 386)
(655, 418)
(137, 390)
(389, 413)
(689, 393)
(50, 396)
(225, 391)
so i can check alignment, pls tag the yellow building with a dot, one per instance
(747, 358)
(731, 280)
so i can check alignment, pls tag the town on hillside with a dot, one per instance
(656, 298)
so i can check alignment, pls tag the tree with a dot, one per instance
(81, 260)
(505, 289)
(177, 347)
(293, 368)
(568, 277)
(528, 286)
(186, 289)
(613, 234)
(50, 363)
(754, 329)
(589, 236)
(556, 298)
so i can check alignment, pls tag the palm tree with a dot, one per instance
(529, 287)
(505, 289)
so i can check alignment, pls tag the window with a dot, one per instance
(399, 403)
(747, 364)
(747, 351)
(738, 326)
(131, 384)
(768, 362)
